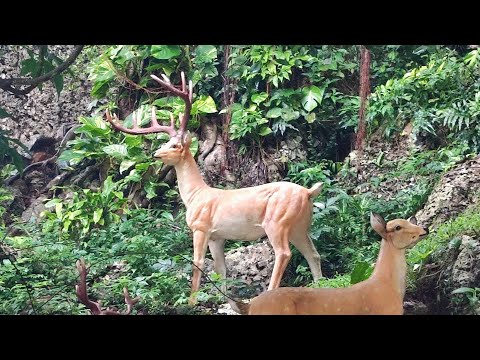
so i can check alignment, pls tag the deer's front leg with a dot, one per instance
(200, 242)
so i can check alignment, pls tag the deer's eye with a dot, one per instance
(398, 227)
(174, 146)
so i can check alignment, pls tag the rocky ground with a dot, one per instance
(457, 191)
(42, 112)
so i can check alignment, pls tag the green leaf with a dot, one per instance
(133, 176)
(58, 82)
(72, 215)
(3, 113)
(97, 215)
(164, 52)
(125, 165)
(310, 117)
(206, 52)
(361, 272)
(463, 290)
(288, 114)
(133, 140)
(118, 194)
(108, 186)
(143, 166)
(29, 66)
(72, 156)
(66, 225)
(150, 189)
(240, 60)
(194, 146)
(118, 151)
(264, 131)
(93, 127)
(52, 203)
(258, 98)
(99, 89)
(274, 113)
(312, 97)
(205, 105)
(58, 209)
(167, 215)
(319, 205)
(143, 114)
(275, 80)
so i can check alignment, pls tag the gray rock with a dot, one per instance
(454, 269)
(250, 265)
(457, 190)
(32, 213)
(41, 112)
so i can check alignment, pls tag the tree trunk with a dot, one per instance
(364, 91)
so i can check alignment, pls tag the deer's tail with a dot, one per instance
(315, 190)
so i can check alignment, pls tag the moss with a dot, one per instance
(338, 281)
(446, 235)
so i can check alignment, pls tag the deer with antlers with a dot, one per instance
(95, 307)
(382, 293)
(282, 211)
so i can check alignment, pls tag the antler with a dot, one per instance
(186, 93)
(94, 307)
(136, 130)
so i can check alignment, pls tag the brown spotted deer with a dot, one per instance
(281, 210)
(382, 293)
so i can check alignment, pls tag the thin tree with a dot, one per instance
(364, 91)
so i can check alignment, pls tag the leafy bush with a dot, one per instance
(338, 281)
(441, 95)
(142, 253)
(88, 208)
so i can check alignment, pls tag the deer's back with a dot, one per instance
(243, 214)
(364, 298)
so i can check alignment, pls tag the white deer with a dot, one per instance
(281, 210)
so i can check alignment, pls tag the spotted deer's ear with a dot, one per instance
(413, 220)
(378, 224)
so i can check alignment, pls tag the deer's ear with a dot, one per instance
(378, 224)
(187, 139)
(413, 220)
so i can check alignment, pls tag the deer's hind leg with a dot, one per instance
(278, 236)
(217, 249)
(304, 244)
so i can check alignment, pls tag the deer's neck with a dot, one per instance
(391, 268)
(190, 181)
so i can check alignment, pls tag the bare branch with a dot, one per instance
(31, 83)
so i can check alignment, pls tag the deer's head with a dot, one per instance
(402, 233)
(174, 150)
